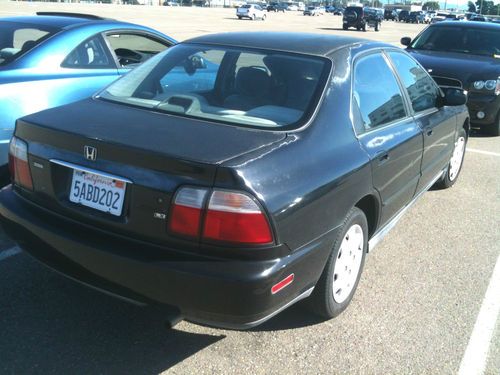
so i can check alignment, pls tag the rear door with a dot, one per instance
(387, 132)
(438, 124)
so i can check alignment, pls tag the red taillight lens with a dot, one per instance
(18, 163)
(236, 218)
(230, 217)
(186, 212)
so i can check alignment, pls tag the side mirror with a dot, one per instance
(405, 41)
(453, 97)
(193, 63)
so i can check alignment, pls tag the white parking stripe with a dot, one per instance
(476, 354)
(9, 253)
(483, 152)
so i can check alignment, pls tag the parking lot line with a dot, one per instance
(483, 152)
(476, 354)
(9, 253)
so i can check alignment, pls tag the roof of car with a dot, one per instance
(305, 43)
(467, 24)
(60, 20)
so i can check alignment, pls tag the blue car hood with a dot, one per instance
(461, 66)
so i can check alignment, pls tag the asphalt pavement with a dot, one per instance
(416, 310)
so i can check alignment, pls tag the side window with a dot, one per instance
(133, 49)
(421, 88)
(91, 54)
(377, 98)
(25, 39)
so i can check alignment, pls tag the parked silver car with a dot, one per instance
(251, 11)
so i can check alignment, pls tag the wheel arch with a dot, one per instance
(369, 204)
(466, 126)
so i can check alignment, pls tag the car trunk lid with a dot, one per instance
(147, 154)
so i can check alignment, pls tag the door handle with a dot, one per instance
(382, 157)
(429, 131)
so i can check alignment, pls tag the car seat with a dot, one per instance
(252, 89)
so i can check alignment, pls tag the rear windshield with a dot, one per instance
(455, 38)
(18, 38)
(237, 86)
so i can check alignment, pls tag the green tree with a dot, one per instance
(432, 5)
(471, 6)
(486, 7)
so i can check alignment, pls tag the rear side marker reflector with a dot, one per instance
(283, 283)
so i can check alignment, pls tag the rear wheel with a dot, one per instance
(377, 27)
(344, 27)
(264, 17)
(364, 27)
(253, 17)
(338, 282)
(239, 17)
(455, 163)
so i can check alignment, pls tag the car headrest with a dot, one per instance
(252, 81)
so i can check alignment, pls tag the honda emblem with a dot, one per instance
(90, 152)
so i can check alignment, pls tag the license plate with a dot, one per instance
(99, 192)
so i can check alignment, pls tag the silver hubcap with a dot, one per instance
(348, 263)
(456, 158)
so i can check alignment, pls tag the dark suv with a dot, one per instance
(360, 17)
(390, 15)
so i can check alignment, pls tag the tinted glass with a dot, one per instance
(451, 38)
(17, 39)
(133, 49)
(241, 87)
(377, 99)
(420, 86)
(90, 54)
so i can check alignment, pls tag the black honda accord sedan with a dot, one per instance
(464, 55)
(234, 174)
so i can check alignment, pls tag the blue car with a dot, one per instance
(53, 59)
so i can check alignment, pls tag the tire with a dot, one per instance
(376, 27)
(494, 129)
(364, 27)
(455, 164)
(239, 17)
(263, 17)
(330, 297)
(253, 17)
(344, 27)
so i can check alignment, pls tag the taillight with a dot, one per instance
(230, 217)
(235, 217)
(18, 163)
(187, 210)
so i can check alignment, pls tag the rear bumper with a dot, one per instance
(489, 104)
(219, 292)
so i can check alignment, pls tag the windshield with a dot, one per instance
(236, 86)
(474, 41)
(18, 38)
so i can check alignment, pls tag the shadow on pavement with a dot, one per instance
(51, 325)
(296, 316)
